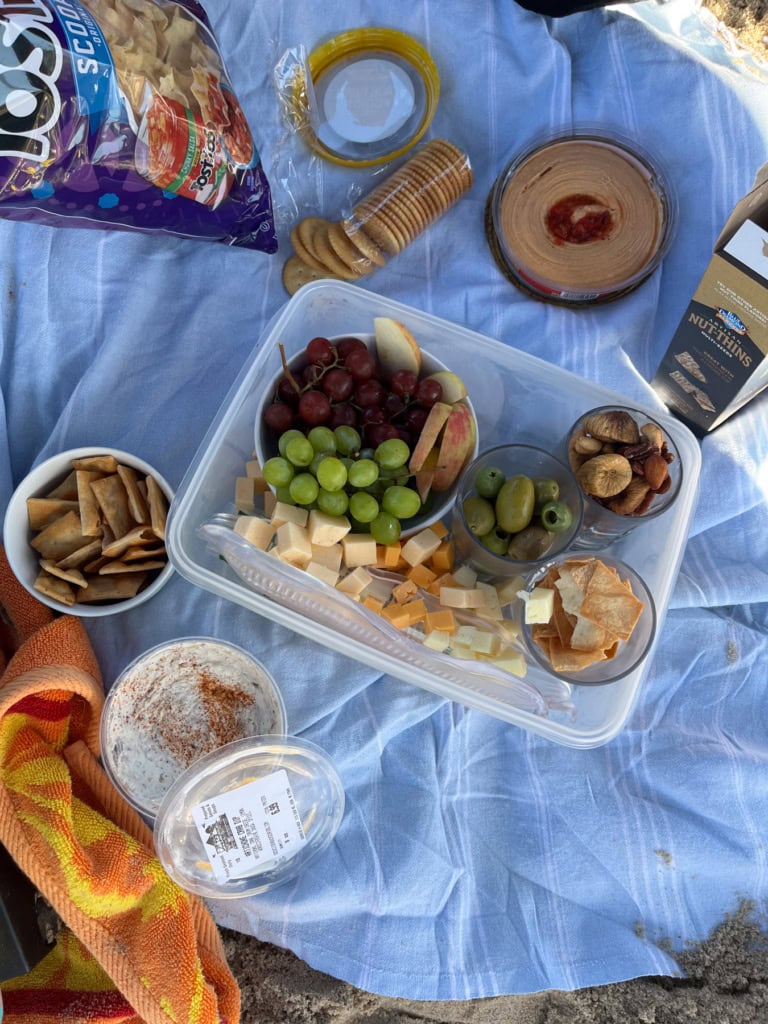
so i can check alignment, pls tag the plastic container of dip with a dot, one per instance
(374, 94)
(249, 817)
(580, 218)
(176, 703)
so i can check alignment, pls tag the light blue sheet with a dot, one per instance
(474, 858)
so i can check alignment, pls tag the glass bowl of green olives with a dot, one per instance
(516, 507)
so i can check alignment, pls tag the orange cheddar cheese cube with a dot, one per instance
(404, 591)
(444, 558)
(421, 575)
(416, 609)
(396, 615)
(442, 619)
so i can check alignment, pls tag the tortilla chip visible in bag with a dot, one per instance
(134, 124)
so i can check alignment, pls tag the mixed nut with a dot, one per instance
(621, 464)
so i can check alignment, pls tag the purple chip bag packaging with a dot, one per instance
(119, 114)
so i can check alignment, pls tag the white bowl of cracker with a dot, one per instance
(84, 531)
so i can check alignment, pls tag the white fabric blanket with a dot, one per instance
(474, 858)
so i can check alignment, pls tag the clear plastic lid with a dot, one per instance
(249, 816)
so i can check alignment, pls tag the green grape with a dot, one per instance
(322, 439)
(285, 438)
(315, 463)
(366, 453)
(401, 502)
(278, 471)
(283, 494)
(331, 474)
(385, 529)
(363, 473)
(304, 489)
(299, 451)
(348, 440)
(392, 453)
(488, 482)
(333, 503)
(363, 507)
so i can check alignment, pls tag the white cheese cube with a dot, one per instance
(244, 494)
(484, 642)
(438, 640)
(506, 590)
(539, 604)
(325, 530)
(457, 597)
(510, 661)
(293, 544)
(355, 582)
(255, 530)
(327, 556)
(418, 548)
(253, 471)
(322, 572)
(465, 576)
(285, 513)
(359, 549)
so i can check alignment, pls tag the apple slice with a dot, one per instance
(457, 443)
(396, 347)
(454, 388)
(426, 475)
(434, 423)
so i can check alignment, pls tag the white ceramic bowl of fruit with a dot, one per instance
(369, 426)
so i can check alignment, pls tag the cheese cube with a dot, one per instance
(458, 597)
(327, 556)
(421, 575)
(510, 661)
(285, 513)
(244, 494)
(359, 549)
(323, 572)
(484, 642)
(255, 530)
(438, 640)
(539, 604)
(405, 590)
(465, 576)
(325, 530)
(374, 604)
(441, 620)
(293, 544)
(389, 555)
(380, 589)
(418, 548)
(354, 582)
(253, 472)
(417, 610)
(269, 500)
(444, 557)
(463, 636)
(395, 615)
(440, 529)
(506, 590)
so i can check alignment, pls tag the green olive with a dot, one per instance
(496, 541)
(488, 482)
(545, 489)
(556, 516)
(514, 503)
(529, 544)
(479, 515)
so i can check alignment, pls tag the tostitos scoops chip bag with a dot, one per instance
(119, 114)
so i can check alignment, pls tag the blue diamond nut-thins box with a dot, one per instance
(717, 360)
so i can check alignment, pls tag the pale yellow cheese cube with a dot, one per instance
(418, 548)
(355, 582)
(484, 642)
(506, 590)
(325, 530)
(253, 471)
(458, 597)
(244, 494)
(285, 513)
(539, 605)
(255, 530)
(269, 500)
(322, 572)
(438, 640)
(359, 549)
(293, 544)
(510, 661)
(327, 556)
(465, 576)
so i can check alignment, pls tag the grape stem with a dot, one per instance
(286, 371)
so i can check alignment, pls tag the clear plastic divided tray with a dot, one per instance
(204, 548)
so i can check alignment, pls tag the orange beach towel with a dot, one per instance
(135, 947)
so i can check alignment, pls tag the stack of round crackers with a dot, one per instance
(383, 223)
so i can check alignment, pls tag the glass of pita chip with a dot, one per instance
(84, 531)
(588, 620)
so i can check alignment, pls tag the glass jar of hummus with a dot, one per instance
(580, 218)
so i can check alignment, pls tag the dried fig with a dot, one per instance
(652, 434)
(605, 475)
(630, 499)
(613, 426)
(586, 445)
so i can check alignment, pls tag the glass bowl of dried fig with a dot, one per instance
(628, 468)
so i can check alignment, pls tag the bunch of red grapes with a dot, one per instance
(342, 385)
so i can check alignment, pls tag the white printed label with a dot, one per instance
(255, 825)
